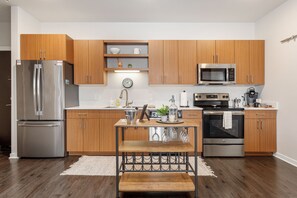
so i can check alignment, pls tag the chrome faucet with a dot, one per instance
(127, 104)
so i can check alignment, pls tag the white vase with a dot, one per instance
(164, 118)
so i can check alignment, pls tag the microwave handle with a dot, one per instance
(227, 75)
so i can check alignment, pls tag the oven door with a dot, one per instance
(213, 125)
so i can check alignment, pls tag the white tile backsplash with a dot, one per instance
(142, 93)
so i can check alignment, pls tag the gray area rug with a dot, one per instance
(106, 166)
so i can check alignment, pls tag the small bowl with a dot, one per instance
(115, 50)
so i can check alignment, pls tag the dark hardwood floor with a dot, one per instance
(236, 177)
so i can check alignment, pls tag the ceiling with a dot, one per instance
(147, 10)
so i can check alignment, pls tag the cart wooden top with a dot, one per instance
(153, 123)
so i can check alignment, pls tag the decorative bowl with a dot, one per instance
(115, 50)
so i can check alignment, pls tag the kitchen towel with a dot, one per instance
(227, 120)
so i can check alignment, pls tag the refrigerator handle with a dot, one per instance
(38, 89)
(38, 125)
(34, 89)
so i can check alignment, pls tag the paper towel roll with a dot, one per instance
(183, 99)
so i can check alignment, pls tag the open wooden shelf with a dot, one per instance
(126, 55)
(127, 69)
(126, 42)
(149, 146)
(156, 182)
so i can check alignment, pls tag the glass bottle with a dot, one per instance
(173, 110)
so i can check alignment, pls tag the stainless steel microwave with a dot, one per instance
(216, 74)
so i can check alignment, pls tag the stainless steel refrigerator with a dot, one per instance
(44, 90)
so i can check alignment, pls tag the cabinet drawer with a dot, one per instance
(83, 114)
(260, 114)
(188, 114)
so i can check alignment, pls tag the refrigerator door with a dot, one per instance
(27, 107)
(41, 139)
(51, 91)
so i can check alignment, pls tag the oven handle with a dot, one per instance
(222, 112)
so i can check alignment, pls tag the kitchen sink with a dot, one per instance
(121, 107)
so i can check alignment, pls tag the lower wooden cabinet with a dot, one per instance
(260, 131)
(92, 131)
(197, 117)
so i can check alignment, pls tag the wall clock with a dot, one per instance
(127, 83)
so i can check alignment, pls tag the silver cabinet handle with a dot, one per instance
(38, 125)
(258, 124)
(261, 124)
(247, 79)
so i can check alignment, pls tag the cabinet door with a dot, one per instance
(96, 62)
(75, 128)
(107, 134)
(199, 137)
(170, 62)
(225, 51)
(251, 135)
(156, 61)
(30, 47)
(81, 61)
(187, 62)
(53, 46)
(267, 135)
(205, 51)
(257, 62)
(242, 61)
(91, 135)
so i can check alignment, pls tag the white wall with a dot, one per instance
(142, 92)
(281, 73)
(21, 23)
(5, 35)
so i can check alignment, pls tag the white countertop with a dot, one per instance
(99, 107)
(261, 108)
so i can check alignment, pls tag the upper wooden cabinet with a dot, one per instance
(187, 62)
(215, 51)
(172, 62)
(156, 61)
(89, 62)
(46, 47)
(249, 59)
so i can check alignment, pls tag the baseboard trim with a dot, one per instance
(13, 156)
(5, 48)
(286, 159)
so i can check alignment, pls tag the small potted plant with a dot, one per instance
(163, 112)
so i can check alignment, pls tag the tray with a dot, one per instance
(167, 122)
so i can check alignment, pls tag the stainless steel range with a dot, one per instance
(223, 127)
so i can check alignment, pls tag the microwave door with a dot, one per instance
(213, 76)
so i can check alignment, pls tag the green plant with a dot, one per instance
(163, 111)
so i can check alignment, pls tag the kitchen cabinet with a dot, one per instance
(89, 62)
(156, 62)
(46, 47)
(249, 59)
(92, 131)
(172, 62)
(260, 131)
(82, 131)
(216, 51)
(187, 62)
(197, 117)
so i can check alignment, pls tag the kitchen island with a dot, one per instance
(154, 166)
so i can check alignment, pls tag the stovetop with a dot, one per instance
(222, 109)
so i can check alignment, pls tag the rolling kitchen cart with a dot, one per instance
(154, 166)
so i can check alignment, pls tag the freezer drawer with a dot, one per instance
(41, 139)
